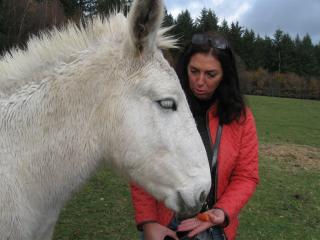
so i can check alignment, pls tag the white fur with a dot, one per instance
(77, 97)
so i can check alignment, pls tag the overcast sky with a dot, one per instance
(263, 16)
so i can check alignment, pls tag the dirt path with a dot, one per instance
(298, 155)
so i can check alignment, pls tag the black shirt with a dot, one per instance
(199, 109)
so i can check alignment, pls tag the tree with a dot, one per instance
(21, 18)
(168, 19)
(105, 7)
(3, 27)
(270, 54)
(184, 27)
(235, 35)
(224, 28)
(284, 52)
(307, 56)
(208, 21)
(261, 52)
(278, 35)
(317, 54)
(70, 6)
(247, 51)
(288, 54)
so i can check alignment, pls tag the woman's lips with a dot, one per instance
(199, 91)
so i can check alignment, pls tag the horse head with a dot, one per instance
(156, 140)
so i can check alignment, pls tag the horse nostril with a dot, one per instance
(203, 196)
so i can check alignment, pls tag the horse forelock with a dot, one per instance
(62, 46)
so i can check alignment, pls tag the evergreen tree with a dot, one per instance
(307, 57)
(298, 48)
(284, 52)
(3, 38)
(288, 54)
(317, 56)
(260, 52)
(21, 18)
(208, 21)
(89, 8)
(70, 6)
(184, 27)
(247, 51)
(105, 7)
(235, 35)
(224, 28)
(270, 55)
(277, 43)
(168, 19)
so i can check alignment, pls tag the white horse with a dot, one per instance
(77, 97)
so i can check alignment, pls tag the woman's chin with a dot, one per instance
(202, 96)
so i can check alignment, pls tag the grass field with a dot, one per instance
(285, 206)
(284, 120)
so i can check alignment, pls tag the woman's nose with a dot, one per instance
(201, 79)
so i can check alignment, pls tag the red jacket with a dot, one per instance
(237, 175)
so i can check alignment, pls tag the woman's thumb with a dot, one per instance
(172, 234)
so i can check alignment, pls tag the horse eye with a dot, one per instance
(168, 104)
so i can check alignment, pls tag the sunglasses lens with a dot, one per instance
(204, 39)
(220, 43)
(199, 39)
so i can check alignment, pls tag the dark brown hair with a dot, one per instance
(230, 101)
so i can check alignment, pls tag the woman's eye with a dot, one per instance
(168, 104)
(211, 75)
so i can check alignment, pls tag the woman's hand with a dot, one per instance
(195, 226)
(156, 231)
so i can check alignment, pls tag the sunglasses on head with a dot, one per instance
(213, 41)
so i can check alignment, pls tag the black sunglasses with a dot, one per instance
(213, 41)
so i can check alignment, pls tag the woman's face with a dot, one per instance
(204, 74)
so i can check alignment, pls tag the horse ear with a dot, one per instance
(145, 19)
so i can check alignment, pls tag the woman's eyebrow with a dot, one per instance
(197, 68)
(191, 66)
(211, 71)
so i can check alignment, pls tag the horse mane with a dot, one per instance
(49, 49)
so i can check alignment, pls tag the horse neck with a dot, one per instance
(55, 131)
(49, 49)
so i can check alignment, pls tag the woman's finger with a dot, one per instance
(189, 225)
(172, 234)
(199, 229)
(189, 220)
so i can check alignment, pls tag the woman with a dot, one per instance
(209, 78)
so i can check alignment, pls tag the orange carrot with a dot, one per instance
(203, 217)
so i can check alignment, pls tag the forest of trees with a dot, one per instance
(277, 65)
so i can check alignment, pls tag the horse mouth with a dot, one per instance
(187, 211)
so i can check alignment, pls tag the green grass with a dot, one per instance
(284, 120)
(102, 210)
(285, 205)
